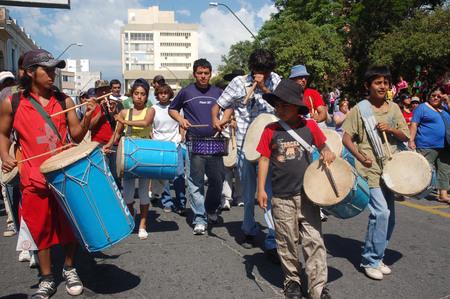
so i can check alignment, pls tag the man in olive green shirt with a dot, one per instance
(389, 120)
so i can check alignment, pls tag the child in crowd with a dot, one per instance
(132, 122)
(296, 219)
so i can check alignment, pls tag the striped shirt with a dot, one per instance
(233, 96)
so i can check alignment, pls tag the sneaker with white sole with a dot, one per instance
(142, 234)
(226, 205)
(74, 286)
(374, 273)
(34, 260)
(199, 229)
(384, 269)
(24, 256)
(46, 290)
(10, 230)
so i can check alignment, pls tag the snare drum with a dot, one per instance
(353, 190)
(147, 158)
(88, 194)
(409, 174)
(209, 146)
(254, 133)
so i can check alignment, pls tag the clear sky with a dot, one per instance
(96, 24)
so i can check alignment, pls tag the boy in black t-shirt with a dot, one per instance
(296, 219)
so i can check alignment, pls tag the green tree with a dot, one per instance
(237, 58)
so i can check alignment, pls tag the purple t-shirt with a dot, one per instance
(197, 104)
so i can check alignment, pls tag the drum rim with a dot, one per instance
(53, 164)
(354, 180)
(230, 159)
(419, 156)
(250, 153)
(7, 177)
(336, 134)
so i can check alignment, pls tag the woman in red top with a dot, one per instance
(407, 110)
(42, 218)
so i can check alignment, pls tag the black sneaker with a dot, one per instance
(272, 255)
(46, 290)
(325, 293)
(293, 290)
(74, 286)
(249, 242)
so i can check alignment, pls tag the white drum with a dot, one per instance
(254, 133)
(230, 159)
(334, 141)
(409, 174)
(5, 178)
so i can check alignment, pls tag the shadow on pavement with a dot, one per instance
(156, 225)
(351, 249)
(270, 272)
(15, 296)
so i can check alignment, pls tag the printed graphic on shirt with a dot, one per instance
(48, 137)
(287, 150)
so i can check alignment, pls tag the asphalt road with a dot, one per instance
(173, 263)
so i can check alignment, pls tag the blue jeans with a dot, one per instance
(196, 168)
(248, 175)
(380, 227)
(178, 185)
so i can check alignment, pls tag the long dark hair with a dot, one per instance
(26, 81)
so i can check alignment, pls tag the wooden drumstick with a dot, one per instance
(387, 145)
(249, 93)
(331, 179)
(79, 105)
(312, 105)
(199, 126)
(46, 153)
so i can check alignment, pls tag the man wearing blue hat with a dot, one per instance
(312, 98)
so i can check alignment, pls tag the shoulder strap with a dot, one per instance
(370, 123)
(294, 135)
(45, 116)
(15, 101)
(130, 118)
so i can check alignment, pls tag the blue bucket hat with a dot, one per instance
(298, 71)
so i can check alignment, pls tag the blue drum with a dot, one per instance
(147, 158)
(88, 194)
(352, 190)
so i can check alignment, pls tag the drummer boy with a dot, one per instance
(383, 118)
(296, 219)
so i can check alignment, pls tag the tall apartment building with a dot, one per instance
(153, 43)
(77, 77)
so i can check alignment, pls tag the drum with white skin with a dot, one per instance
(254, 133)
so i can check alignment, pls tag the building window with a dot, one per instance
(187, 55)
(186, 65)
(187, 45)
(173, 34)
(141, 36)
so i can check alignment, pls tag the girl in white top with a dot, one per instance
(167, 129)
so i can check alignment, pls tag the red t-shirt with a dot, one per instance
(407, 116)
(102, 132)
(312, 96)
(288, 158)
(37, 138)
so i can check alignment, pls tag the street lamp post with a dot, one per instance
(67, 48)
(215, 4)
(173, 74)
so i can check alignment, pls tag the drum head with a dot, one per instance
(7, 177)
(318, 187)
(407, 173)
(334, 141)
(120, 159)
(230, 159)
(68, 157)
(254, 133)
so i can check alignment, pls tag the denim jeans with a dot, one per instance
(178, 185)
(248, 175)
(196, 168)
(380, 227)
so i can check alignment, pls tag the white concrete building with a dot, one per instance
(77, 77)
(14, 41)
(153, 43)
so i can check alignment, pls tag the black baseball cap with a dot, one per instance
(290, 92)
(43, 58)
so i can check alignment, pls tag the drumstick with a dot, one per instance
(199, 126)
(331, 179)
(46, 153)
(387, 145)
(80, 105)
(249, 93)
(312, 105)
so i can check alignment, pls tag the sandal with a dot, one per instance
(444, 200)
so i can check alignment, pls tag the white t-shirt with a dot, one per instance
(165, 128)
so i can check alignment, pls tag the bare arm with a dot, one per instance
(348, 143)
(78, 129)
(184, 123)
(321, 114)
(215, 117)
(95, 119)
(263, 168)
(6, 122)
(147, 121)
(412, 133)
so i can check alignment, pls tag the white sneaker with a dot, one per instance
(384, 269)
(74, 286)
(24, 256)
(10, 230)
(143, 234)
(226, 206)
(199, 229)
(34, 260)
(374, 273)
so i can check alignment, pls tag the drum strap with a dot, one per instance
(45, 116)
(370, 123)
(294, 135)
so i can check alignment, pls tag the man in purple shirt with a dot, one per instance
(196, 100)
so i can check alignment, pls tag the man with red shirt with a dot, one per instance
(42, 218)
(312, 98)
